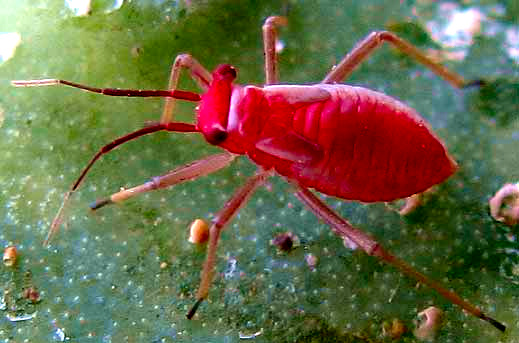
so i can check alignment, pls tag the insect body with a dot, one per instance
(344, 141)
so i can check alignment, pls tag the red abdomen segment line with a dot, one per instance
(376, 148)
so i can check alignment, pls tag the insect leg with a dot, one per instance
(239, 198)
(270, 36)
(197, 72)
(344, 229)
(172, 127)
(373, 41)
(191, 171)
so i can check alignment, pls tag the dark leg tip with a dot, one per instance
(501, 327)
(192, 312)
(100, 203)
(475, 83)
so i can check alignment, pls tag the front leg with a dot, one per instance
(197, 72)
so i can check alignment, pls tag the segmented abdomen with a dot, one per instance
(375, 147)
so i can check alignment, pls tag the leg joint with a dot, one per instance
(154, 183)
(184, 60)
(274, 21)
(384, 35)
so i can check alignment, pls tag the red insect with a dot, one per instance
(344, 141)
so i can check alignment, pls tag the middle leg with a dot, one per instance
(270, 37)
(191, 171)
(198, 73)
(230, 209)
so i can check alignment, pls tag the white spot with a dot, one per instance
(280, 45)
(251, 336)
(455, 29)
(463, 26)
(14, 318)
(511, 44)
(458, 31)
(79, 7)
(9, 41)
(83, 7)
(59, 335)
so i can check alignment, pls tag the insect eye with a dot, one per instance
(225, 71)
(230, 71)
(216, 136)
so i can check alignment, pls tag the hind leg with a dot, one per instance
(372, 42)
(367, 243)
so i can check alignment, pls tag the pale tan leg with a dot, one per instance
(270, 37)
(373, 41)
(367, 243)
(197, 72)
(411, 204)
(242, 195)
(178, 175)
(365, 48)
(233, 205)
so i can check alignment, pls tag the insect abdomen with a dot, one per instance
(375, 147)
